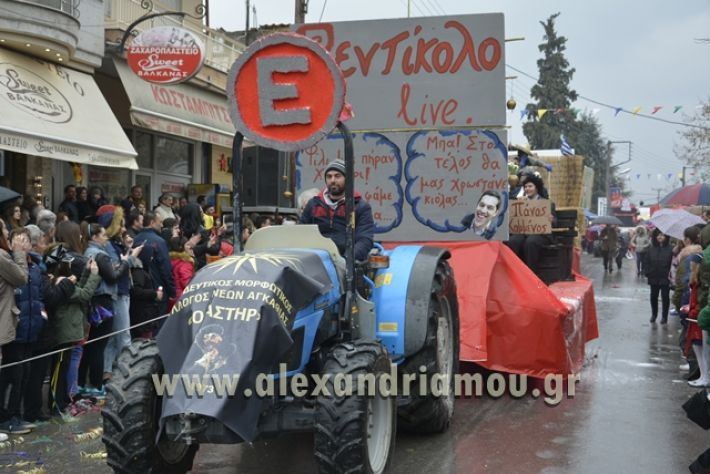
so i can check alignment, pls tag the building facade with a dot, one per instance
(80, 116)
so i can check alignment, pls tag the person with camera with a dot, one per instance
(66, 297)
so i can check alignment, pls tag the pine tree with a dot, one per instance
(552, 92)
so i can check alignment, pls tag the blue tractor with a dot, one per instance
(290, 336)
(403, 312)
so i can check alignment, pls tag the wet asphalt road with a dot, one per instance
(625, 416)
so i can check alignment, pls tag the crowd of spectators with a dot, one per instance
(81, 282)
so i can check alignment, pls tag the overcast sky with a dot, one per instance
(626, 54)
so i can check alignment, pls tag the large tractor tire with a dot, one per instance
(440, 355)
(132, 413)
(355, 434)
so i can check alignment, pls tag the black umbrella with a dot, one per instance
(608, 220)
(7, 194)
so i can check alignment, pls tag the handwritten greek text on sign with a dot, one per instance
(422, 186)
(378, 172)
(415, 73)
(530, 216)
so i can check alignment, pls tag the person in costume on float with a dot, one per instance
(529, 247)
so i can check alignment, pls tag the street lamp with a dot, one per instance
(610, 167)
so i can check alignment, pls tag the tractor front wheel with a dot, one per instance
(355, 432)
(132, 413)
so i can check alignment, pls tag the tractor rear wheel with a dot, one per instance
(132, 413)
(355, 433)
(432, 412)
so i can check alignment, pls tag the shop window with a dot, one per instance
(143, 148)
(113, 182)
(172, 156)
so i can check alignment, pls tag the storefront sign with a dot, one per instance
(51, 111)
(285, 92)
(178, 109)
(30, 93)
(166, 55)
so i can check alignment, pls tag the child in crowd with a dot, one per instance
(183, 266)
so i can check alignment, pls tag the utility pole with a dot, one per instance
(301, 10)
(658, 194)
(682, 178)
(246, 31)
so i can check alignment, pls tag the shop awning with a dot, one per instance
(178, 109)
(55, 112)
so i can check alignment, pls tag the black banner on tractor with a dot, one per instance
(234, 319)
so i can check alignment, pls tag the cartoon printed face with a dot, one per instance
(486, 210)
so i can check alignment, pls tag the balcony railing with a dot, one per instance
(220, 50)
(70, 7)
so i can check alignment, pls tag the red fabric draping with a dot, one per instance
(510, 321)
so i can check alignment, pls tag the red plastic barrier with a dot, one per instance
(510, 320)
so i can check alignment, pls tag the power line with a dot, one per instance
(440, 7)
(427, 8)
(437, 11)
(320, 19)
(619, 109)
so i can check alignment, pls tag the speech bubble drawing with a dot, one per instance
(378, 173)
(447, 172)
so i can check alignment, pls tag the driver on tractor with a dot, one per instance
(327, 209)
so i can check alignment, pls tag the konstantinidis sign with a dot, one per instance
(166, 55)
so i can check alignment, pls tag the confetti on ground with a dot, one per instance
(37, 470)
(22, 464)
(89, 435)
(96, 455)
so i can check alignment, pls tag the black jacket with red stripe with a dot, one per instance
(331, 223)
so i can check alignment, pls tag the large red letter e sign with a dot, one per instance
(285, 92)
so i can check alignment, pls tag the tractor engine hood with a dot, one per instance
(231, 324)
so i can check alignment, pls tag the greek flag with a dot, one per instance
(565, 148)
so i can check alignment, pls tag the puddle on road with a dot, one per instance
(612, 299)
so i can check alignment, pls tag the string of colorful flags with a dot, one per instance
(540, 113)
(658, 176)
